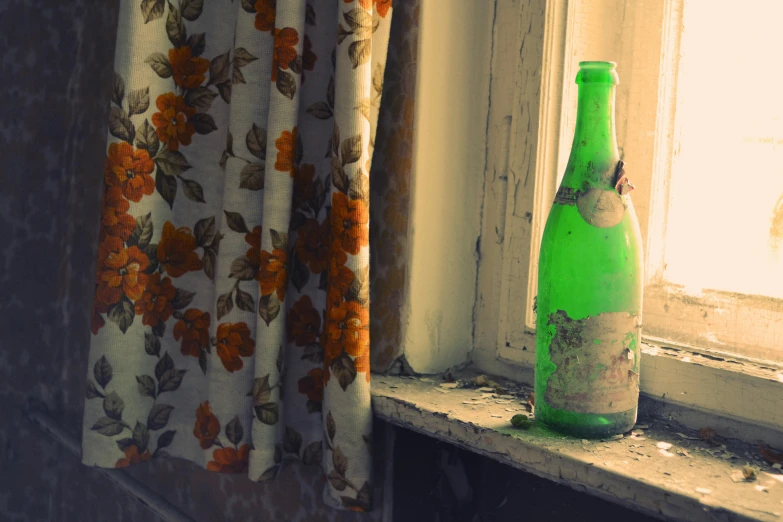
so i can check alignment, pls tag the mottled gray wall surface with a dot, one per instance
(55, 88)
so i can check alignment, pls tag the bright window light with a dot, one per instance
(725, 223)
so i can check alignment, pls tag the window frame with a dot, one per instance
(528, 137)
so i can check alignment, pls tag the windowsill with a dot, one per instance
(632, 471)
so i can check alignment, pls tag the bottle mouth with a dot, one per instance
(595, 72)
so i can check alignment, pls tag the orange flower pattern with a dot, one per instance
(120, 271)
(254, 253)
(348, 325)
(156, 304)
(350, 218)
(284, 49)
(340, 276)
(286, 147)
(363, 364)
(164, 215)
(312, 246)
(233, 342)
(132, 456)
(115, 221)
(381, 6)
(304, 322)
(265, 14)
(312, 385)
(129, 169)
(304, 187)
(207, 426)
(176, 251)
(272, 273)
(230, 460)
(193, 329)
(188, 70)
(172, 122)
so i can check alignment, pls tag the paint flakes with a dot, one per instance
(687, 437)
(665, 453)
(703, 491)
(750, 473)
(664, 445)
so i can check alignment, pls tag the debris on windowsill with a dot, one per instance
(678, 465)
(707, 435)
(750, 473)
(770, 456)
(521, 422)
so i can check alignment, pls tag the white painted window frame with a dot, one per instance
(535, 46)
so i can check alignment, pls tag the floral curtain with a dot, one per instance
(231, 312)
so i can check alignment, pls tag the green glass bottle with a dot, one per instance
(590, 279)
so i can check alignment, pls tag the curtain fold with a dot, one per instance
(231, 313)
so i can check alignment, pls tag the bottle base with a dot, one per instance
(587, 425)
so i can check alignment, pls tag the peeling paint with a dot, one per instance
(629, 471)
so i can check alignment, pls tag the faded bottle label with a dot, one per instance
(596, 360)
(600, 207)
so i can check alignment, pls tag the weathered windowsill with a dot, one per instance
(691, 480)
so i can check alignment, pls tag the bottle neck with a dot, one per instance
(594, 153)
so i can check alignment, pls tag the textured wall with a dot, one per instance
(54, 98)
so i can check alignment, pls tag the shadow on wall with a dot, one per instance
(438, 482)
